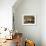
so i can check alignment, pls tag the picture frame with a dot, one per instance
(28, 20)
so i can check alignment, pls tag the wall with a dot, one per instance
(6, 13)
(43, 22)
(31, 31)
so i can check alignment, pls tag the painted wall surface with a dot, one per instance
(6, 13)
(29, 31)
(43, 22)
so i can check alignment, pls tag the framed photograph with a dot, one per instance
(29, 20)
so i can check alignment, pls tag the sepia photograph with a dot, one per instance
(29, 20)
